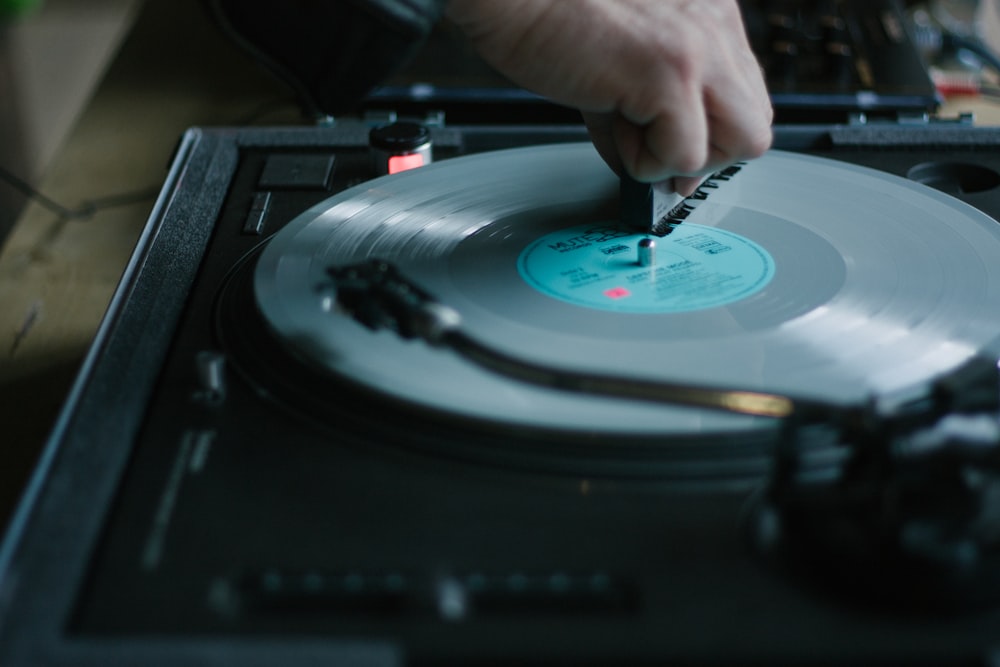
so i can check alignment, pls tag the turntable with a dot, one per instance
(275, 455)
(462, 415)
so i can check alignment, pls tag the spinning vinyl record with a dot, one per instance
(790, 274)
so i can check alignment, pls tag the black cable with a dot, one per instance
(123, 199)
(87, 208)
(974, 46)
(91, 206)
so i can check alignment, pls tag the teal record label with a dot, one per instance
(694, 267)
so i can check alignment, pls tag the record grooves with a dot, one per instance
(799, 277)
(345, 407)
(509, 236)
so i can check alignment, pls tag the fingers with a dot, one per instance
(659, 130)
(686, 185)
(603, 138)
(672, 144)
(691, 140)
(721, 115)
(670, 89)
(599, 125)
(706, 107)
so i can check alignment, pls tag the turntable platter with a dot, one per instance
(796, 275)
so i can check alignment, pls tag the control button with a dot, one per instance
(210, 366)
(551, 592)
(834, 29)
(254, 223)
(840, 63)
(452, 600)
(783, 28)
(296, 171)
(400, 146)
(398, 163)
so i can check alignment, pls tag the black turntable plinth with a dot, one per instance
(244, 475)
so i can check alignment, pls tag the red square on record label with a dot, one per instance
(617, 293)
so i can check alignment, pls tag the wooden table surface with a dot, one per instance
(57, 275)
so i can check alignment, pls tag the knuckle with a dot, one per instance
(760, 143)
(688, 160)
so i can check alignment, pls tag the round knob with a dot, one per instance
(400, 146)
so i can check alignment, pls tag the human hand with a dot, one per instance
(669, 89)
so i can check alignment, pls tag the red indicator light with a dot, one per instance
(617, 293)
(398, 163)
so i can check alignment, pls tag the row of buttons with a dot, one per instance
(452, 597)
(394, 147)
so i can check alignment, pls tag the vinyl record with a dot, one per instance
(789, 274)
